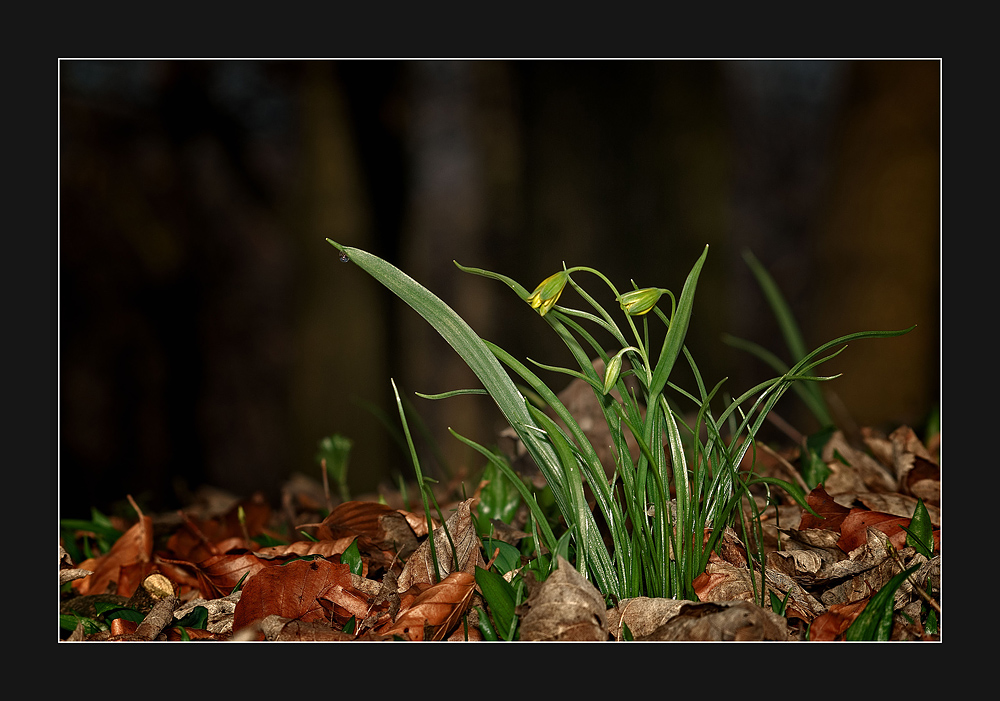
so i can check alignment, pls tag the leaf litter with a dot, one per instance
(820, 573)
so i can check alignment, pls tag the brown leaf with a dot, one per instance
(897, 505)
(863, 473)
(897, 452)
(564, 607)
(134, 546)
(291, 591)
(301, 548)
(380, 530)
(813, 557)
(198, 539)
(724, 583)
(641, 614)
(435, 611)
(740, 621)
(281, 629)
(854, 529)
(418, 522)
(224, 572)
(823, 504)
(832, 624)
(923, 481)
(420, 567)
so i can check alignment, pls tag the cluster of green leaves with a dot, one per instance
(100, 532)
(658, 543)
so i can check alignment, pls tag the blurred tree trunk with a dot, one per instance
(448, 219)
(340, 335)
(879, 243)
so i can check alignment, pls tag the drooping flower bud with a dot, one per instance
(641, 301)
(547, 293)
(612, 372)
(614, 369)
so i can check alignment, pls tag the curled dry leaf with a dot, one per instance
(708, 621)
(864, 474)
(418, 522)
(914, 466)
(303, 548)
(722, 582)
(419, 569)
(642, 615)
(436, 610)
(897, 451)
(564, 607)
(381, 531)
(276, 628)
(134, 546)
(832, 624)
(823, 562)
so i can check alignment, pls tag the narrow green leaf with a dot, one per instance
(674, 340)
(920, 533)
(782, 312)
(452, 393)
(499, 596)
(486, 626)
(809, 394)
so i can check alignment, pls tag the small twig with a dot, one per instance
(161, 616)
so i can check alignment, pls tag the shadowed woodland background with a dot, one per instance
(210, 335)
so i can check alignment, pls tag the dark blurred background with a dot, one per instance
(210, 335)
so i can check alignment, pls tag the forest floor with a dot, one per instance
(316, 568)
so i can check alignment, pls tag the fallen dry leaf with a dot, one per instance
(709, 621)
(381, 531)
(436, 611)
(566, 606)
(854, 529)
(134, 546)
(725, 583)
(290, 591)
(459, 530)
(641, 615)
(832, 624)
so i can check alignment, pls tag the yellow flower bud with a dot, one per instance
(641, 301)
(547, 293)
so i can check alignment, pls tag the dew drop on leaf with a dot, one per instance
(344, 258)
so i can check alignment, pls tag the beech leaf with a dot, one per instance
(566, 606)
(290, 591)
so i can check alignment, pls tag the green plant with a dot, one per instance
(98, 531)
(333, 455)
(665, 509)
